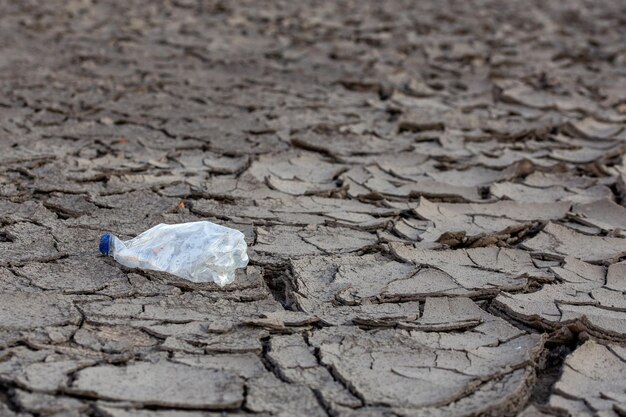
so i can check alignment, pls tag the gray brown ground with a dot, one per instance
(431, 191)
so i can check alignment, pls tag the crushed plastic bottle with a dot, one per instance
(197, 251)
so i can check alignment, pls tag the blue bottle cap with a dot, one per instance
(105, 242)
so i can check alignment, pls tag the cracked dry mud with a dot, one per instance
(432, 193)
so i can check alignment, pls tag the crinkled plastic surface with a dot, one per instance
(197, 251)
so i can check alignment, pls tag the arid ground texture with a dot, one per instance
(432, 193)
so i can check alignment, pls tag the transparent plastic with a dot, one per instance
(197, 251)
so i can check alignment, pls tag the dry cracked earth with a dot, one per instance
(432, 193)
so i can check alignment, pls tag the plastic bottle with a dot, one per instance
(197, 251)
